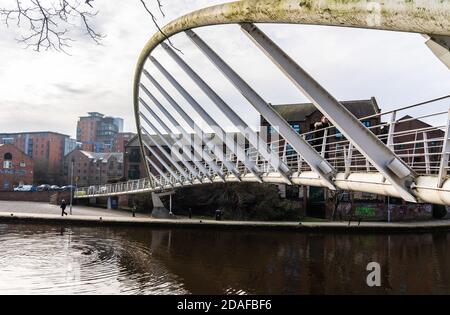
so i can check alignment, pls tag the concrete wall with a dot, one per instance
(39, 196)
(379, 211)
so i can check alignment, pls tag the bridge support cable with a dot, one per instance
(440, 46)
(167, 156)
(219, 131)
(157, 181)
(253, 138)
(199, 165)
(443, 167)
(209, 159)
(426, 152)
(197, 148)
(156, 167)
(317, 163)
(183, 158)
(163, 163)
(217, 151)
(399, 174)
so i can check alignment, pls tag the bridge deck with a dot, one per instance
(405, 157)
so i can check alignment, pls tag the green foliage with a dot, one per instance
(238, 201)
(143, 203)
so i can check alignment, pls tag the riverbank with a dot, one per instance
(344, 227)
(35, 212)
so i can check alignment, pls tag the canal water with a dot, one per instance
(41, 259)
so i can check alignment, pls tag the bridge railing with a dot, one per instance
(419, 139)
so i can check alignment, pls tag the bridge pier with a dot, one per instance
(159, 210)
(112, 202)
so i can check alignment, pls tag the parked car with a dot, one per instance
(54, 187)
(25, 188)
(68, 188)
(43, 187)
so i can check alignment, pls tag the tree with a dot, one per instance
(48, 24)
(238, 201)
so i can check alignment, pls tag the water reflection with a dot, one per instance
(47, 259)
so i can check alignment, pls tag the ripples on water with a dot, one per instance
(40, 259)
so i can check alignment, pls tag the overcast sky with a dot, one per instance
(49, 90)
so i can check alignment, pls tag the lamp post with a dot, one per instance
(71, 185)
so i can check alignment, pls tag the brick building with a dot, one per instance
(412, 144)
(97, 132)
(121, 140)
(303, 116)
(47, 150)
(16, 168)
(134, 167)
(92, 168)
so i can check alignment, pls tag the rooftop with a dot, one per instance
(104, 157)
(8, 134)
(301, 111)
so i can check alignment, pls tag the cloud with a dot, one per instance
(67, 88)
(51, 90)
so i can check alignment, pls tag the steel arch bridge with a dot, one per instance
(361, 159)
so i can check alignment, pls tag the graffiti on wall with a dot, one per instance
(379, 211)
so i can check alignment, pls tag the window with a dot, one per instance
(22, 164)
(289, 150)
(167, 149)
(135, 156)
(134, 172)
(6, 184)
(366, 123)
(7, 163)
(297, 128)
(270, 130)
(399, 146)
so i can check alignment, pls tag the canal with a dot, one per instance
(44, 259)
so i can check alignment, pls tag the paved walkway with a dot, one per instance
(39, 208)
(45, 213)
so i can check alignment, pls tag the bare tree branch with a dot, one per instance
(48, 23)
(155, 21)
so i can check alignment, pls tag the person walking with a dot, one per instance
(63, 207)
(319, 133)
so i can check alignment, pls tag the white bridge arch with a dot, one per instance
(361, 160)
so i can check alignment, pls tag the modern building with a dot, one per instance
(97, 132)
(70, 145)
(16, 168)
(119, 123)
(47, 150)
(91, 168)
